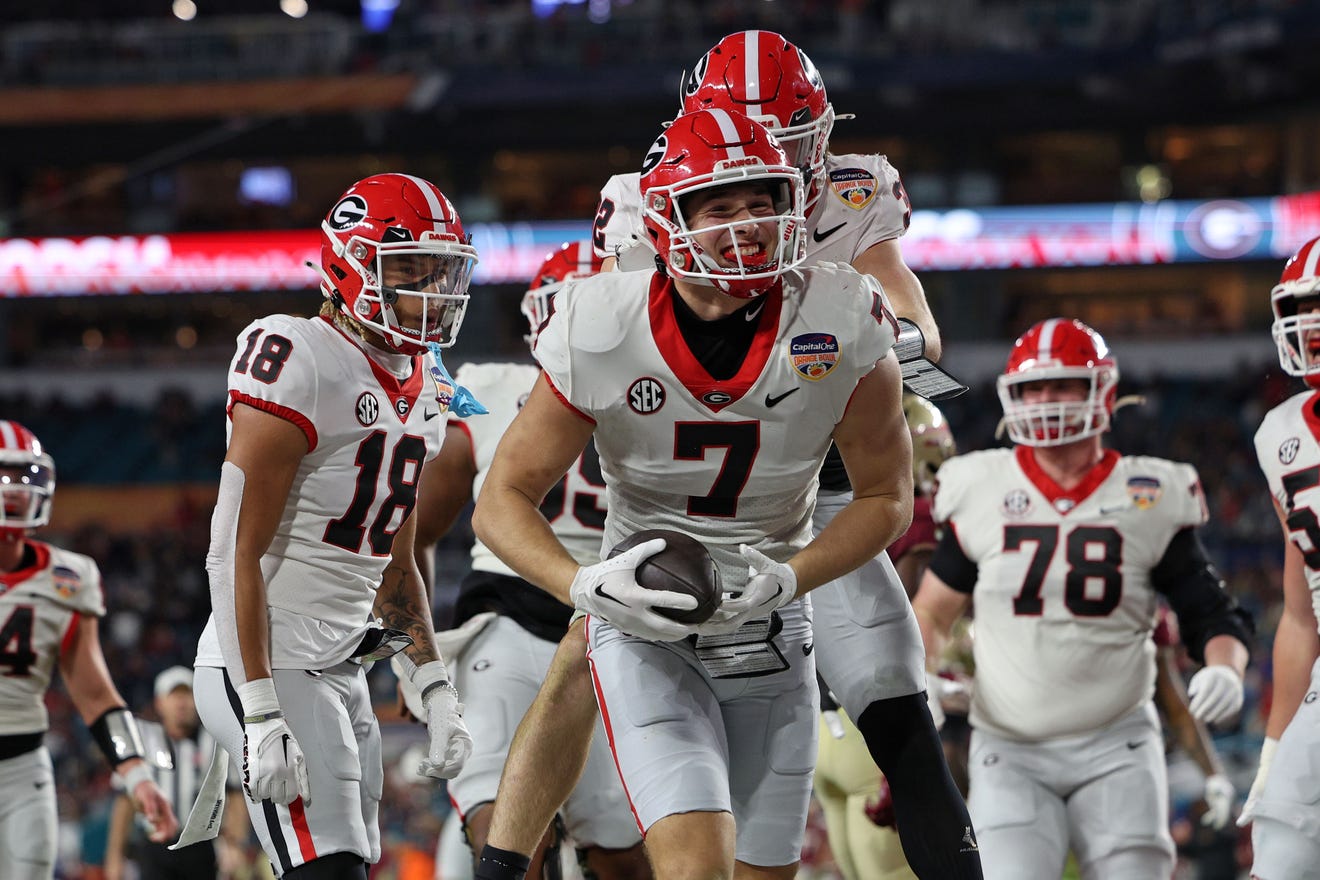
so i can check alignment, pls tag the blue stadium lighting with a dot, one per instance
(377, 14)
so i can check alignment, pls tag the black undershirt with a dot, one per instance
(720, 345)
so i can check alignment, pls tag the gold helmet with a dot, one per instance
(932, 441)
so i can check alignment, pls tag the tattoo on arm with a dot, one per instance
(401, 604)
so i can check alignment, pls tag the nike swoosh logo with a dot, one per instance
(752, 314)
(773, 401)
(600, 591)
(1135, 745)
(428, 415)
(819, 236)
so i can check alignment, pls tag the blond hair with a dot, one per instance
(341, 319)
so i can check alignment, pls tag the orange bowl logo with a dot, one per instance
(814, 355)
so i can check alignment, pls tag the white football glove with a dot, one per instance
(609, 590)
(1267, 750)
(772, 585)
(450, 744)
(1219, 793)
(273, 765)
(1216, 694)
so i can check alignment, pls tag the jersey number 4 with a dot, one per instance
(1093, 554)
(16, 652)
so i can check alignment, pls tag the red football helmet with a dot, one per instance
(574, 259)
(764, 76)
(1058, 348)
(27, 479)
(392, 230)
(1297, 334)
(715, 148)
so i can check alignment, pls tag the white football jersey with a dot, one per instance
(39, 608)
(1063, 598)
(863, 204)
(575, 506)
(1288, 449)
(368, 435)
(731, 461)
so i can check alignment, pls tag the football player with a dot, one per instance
(331, 420)
(1063, 545)
(857, 210)
(1283, 802)
(50, 600)
(713, 390)
(505, 630)
(846, 776)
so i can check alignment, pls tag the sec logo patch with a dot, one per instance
(646, 396)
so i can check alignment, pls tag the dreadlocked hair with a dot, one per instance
(343, 321)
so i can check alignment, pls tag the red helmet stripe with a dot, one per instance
(584, 256)
(1045, 344)
(752, 70)
(1308, 269)
(729, 131)
(437, 209)
(10, 436)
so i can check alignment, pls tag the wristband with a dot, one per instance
(259, 701)
(116, 734)
(134, 776)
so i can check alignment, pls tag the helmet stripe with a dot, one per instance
(432, 201)
(584, 256)
(729, 131)
(752, 71)
(1309, 267)
(9, 436)
(1046, 341)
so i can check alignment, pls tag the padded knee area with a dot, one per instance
(933, 823)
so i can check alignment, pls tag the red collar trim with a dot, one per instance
(1310, 416)
(1026, 459)
(11, 579)
(407, 390)
(674, 348)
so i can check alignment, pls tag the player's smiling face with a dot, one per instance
(737, 235)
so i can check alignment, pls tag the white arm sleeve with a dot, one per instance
(220, 568)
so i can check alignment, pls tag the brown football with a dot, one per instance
(684, 566)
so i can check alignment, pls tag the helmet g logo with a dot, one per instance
(693, 78)
(655, 154)
(350, 211)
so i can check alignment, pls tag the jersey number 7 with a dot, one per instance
(740, 440)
